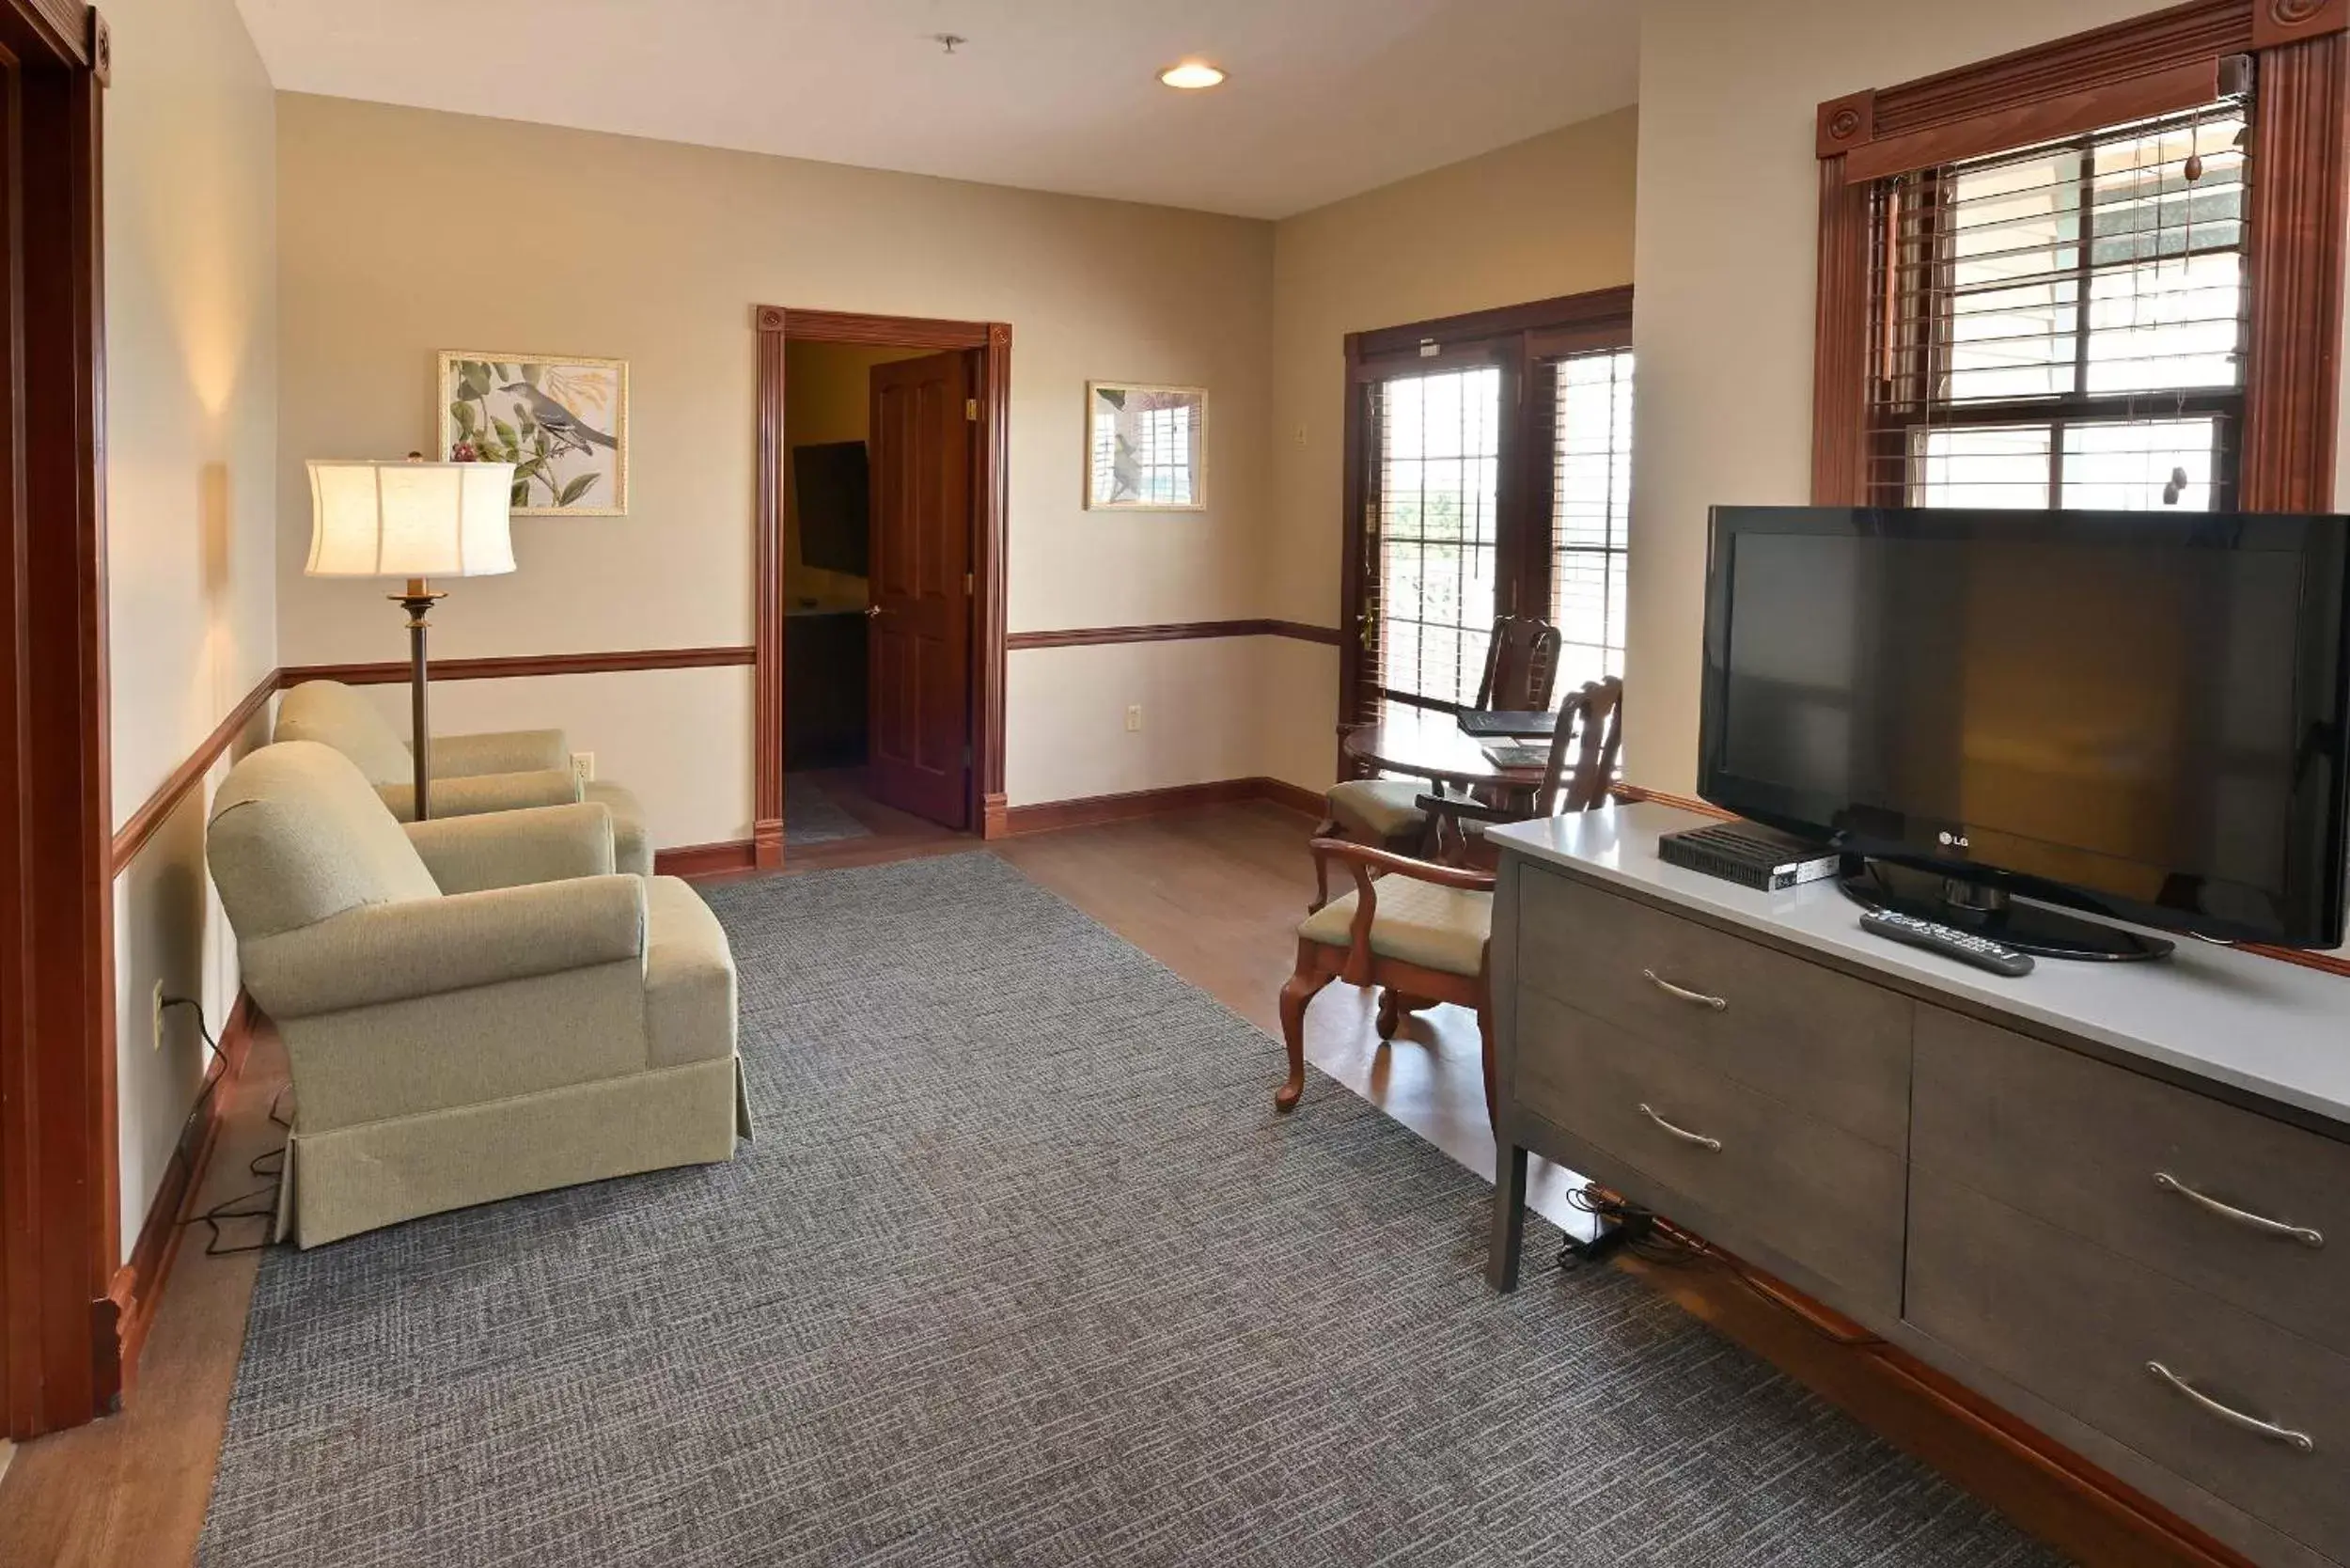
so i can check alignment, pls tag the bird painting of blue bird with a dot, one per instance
(562, 421)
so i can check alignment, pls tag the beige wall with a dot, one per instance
(1729, 202)
(191, 459)
(1546, 217)
(408, 231)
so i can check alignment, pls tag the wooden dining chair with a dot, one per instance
(1421, 932)
(1521, 665)
(1585, 746)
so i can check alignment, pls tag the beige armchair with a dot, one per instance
(503, 771)
(474, 1007)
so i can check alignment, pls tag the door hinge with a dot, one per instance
(967, 753)
(971, 409)
(970, 584)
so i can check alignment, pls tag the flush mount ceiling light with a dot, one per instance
(1191, 75)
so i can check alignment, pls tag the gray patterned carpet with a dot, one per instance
(813, 816)
(1021, 1270)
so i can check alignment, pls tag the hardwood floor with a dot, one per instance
(1215, 894)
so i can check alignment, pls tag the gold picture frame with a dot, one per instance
(562, 419)
(1146, 447)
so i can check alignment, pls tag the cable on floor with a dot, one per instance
(230, 1208)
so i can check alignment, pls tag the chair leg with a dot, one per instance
(1390, 1014)
(1300, 989)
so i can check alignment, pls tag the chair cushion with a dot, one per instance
(297, 836)
(689, 977)
(335, 715)
(1437, 928)
(631, 847)
(1379, 807)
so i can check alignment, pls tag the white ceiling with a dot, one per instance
(1327, 97)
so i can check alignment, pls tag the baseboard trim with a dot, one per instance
(693, 860)
(1093, 810)
(138, 1286)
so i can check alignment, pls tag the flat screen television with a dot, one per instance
(836, 527)
(2138, 714)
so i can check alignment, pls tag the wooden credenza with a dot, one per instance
(2113, 1199)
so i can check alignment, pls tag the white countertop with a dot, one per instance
(2275, 1030)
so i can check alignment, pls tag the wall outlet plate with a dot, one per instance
(157, 1018)
(584, 766)
(1134, 717)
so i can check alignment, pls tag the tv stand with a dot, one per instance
(1988, 912)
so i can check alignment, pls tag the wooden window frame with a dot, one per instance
(1518, 339)
(2152, 64)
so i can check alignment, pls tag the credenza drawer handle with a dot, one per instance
(2234, 1417)
(1670, 989)
(1712, 1145)
(2245, 1218)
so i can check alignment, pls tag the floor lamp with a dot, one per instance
(419, 521)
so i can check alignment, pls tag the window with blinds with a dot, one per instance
(1434, 526)
(1591, 500)
(2066, 326)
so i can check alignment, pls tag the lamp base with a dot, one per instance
(418, 601)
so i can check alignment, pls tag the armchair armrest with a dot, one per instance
(513, 849)
(388, 952)
(1360, 860)
(471, 795)
(499, 751)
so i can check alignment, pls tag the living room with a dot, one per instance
(973, 1229)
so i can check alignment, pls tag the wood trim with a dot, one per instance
(1597, 307)
(2278, 23)
(132, 836)
(2100, 60)
(2300, 158)
(59, 1179)
(1094, 810)
(507, 667)
(995, 818)
(1188, 631)
(138, 1284)
(1840, 370)
(2171, 91)
(990, 500)
(697, 861)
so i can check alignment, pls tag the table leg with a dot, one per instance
(1509, 1227)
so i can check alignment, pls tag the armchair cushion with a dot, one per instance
(547, 843)
(490, 792)
(1443, 928)
(499, 751)
(297, 836)
(1377, 809)
(632, 845)
(689, 977)
(337, 715)
(382, 954)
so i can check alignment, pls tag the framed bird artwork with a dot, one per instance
(561, 419)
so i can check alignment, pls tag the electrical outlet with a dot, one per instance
(1297, 437)
(158, 1019)
(584, 766)
(1134, 717)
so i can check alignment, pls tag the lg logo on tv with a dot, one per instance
(1954, 840)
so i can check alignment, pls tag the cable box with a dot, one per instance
(1750, 855)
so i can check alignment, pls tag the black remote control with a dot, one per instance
(1947, 940)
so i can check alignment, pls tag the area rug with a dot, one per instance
(813, 816)
(1021, 1269)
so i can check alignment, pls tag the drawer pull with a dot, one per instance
(1670, 989)
(2245, 1218)
(2234, 1417)
(1712, 1145)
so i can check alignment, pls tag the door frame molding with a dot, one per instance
(777, 328)
(61, 1302)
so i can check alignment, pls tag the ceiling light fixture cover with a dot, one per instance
(1191, 75)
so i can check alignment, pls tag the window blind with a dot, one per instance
(1591, 499)
(1431, 535)
(2064, 325)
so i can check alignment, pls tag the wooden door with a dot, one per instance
(919, 652)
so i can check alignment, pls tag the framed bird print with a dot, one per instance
(561, 419)
(1146, 447)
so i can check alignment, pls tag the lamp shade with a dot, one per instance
(410, 519)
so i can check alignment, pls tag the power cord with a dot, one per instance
(228, 1208)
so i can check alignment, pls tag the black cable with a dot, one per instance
(226, 1209)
